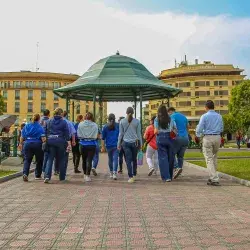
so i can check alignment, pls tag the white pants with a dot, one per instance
(211, 145)
(152, 158)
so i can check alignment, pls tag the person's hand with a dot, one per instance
(119, 148)
(20, 147)
(102, 150)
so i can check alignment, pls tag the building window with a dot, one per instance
(221, 92)
(202, 83)
(30, 94)
(221, 102)
(236, 82)
(5, 84)
(17, 84)
(202, 93)
(56, 85)
(185, 94)
(43, 84)
(56, 105)
(17, 94)
(182, 84)
(30, 84)
(17, 107)
(223, 112)
(199, 112)
(29, 118)
(188, 113)
(200, 103)
(5, 107)
(78, 109)
(220, 83)
(183, 104)
(43, 106)
(5, 94)
(56, 98)
(30, 107)
(43, 95)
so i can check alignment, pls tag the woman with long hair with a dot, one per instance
(87, 132)
(151, 153)
(131, 141)
(164, 126)
(31, 136)
(110, 135)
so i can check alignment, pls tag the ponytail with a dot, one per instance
(130, 117)
(35, 118)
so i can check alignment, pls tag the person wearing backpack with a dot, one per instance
(151, 152)
(131, 141)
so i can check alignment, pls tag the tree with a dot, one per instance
(231, 124)
(1, 104)
(239, 106)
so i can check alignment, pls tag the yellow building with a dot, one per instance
(199, 83)
(26, 93)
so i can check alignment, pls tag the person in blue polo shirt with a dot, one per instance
(181, 141)
(32, 135)
(110, 135)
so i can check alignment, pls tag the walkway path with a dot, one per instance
(106, 214)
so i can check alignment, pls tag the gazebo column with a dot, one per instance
(101, 112)
(73, 111)
(168, 104)
(141, 109)
(135, 104)
(94, 104)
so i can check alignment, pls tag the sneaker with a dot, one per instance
(77, 171)
(177, 172)
(168, 180)
(87, 178)
(46, 180)
(25, 178)
(131, 180)
(56, 173)
(111, 175)
(114, 176)
(38, 178)
(151, 171)
(94, 172)
(216, 183)
(120, 172)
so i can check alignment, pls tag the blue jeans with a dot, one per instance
(113, 154)
(121, 155)
(180, 145)
(56, 151)
(32, 149)
(165, 155)
(45, 159)
(96, 158)
(130, 151)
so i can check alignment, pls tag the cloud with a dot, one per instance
(75, 34)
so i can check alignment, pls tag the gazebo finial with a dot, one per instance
(117, 53)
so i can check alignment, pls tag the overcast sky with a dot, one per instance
(74, 34)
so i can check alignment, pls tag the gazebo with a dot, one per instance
(117, 78)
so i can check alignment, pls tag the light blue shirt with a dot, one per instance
(210, 123)
(181, 123)
(170, 128)
(71, 127)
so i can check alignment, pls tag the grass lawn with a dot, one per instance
(221, 153)
(5, 173)
(239, 168)
(233, 145)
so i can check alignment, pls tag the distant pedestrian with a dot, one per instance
(238, 138)
(87, 132)
(211, 126)
(110, 135)
(181, 141)
(164, 128)
(32, 135)
(151, 152)
(131, 141)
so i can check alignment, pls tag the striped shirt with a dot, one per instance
(129, 132)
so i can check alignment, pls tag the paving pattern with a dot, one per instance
(107, 214)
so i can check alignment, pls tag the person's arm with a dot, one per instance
(146, 133)
(66, 133)
(121, 134)
(138, 131)
(72, 133)
(200, 127)
(43, 138)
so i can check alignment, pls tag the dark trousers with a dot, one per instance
(165, 155)
(57, 152)
(87, 153)
(121, 155)
(31, 149)
(130, 151)
(180, 145)
(76, 155)
(45, 159)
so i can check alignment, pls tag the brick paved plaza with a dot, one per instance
(107, 214)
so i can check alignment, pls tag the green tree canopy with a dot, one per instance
(1, 104)
(239, 106)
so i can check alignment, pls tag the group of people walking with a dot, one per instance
(51, 139)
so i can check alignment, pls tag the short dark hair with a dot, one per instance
(65, 113)
(171, 109)
(46, 112)
(209, 104)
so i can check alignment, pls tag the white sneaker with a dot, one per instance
(131, 180)
(111, 175)
(46, 180)
(114, 176)
(168, 180)
(87, 178)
